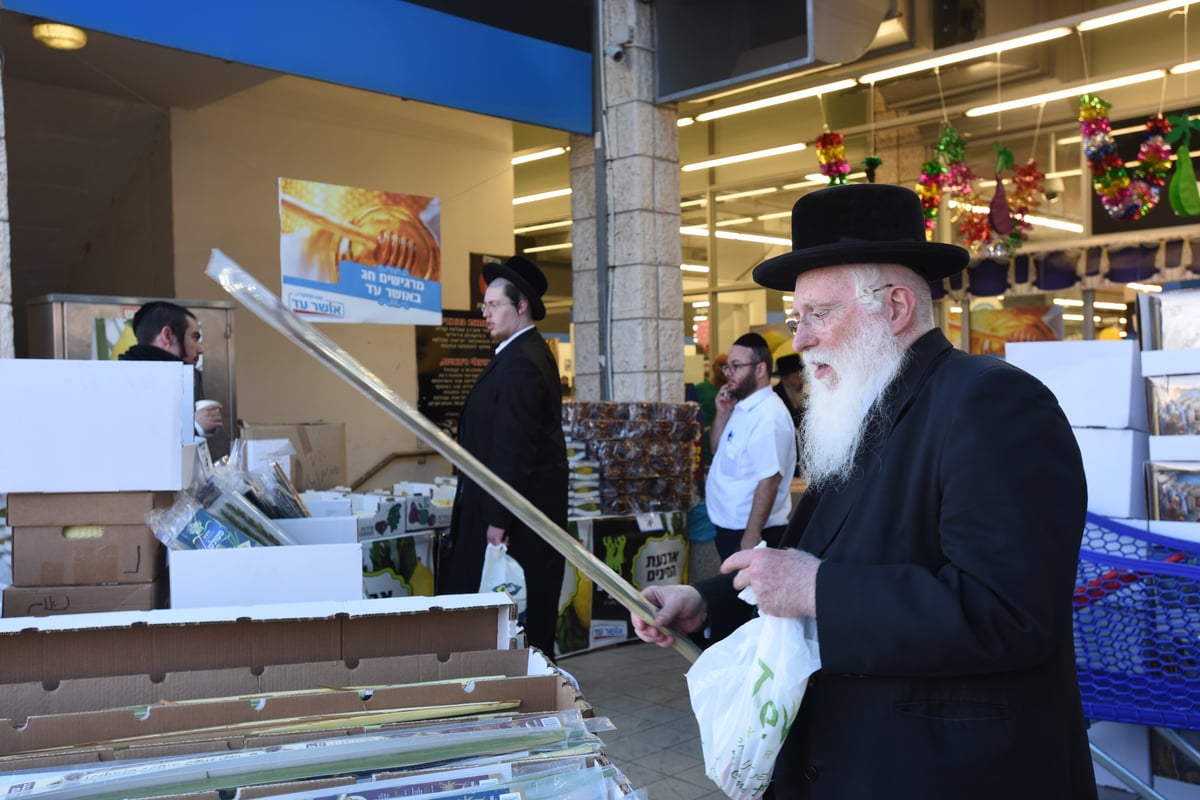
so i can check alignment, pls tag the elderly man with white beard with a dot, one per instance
(936, 546)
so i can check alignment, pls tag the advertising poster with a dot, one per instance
(993, 328)
(450, 357)
(358, 255)
(646, 550)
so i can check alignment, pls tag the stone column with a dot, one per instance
(628, 292)
(6, 298)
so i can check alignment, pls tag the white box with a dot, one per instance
(246, 576)
(1115, 464)
(1175, 448)
(94, 426)
(1170, 362)
(322, 503)
(321, 530)
(1098, 383)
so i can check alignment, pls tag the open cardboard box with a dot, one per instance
(68, 681)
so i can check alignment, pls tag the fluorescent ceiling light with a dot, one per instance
(1131, 13)
(1073, 91)
(721, 198)
(700, 230)
(533, 198)
(1073, 317)
(693, 268)
(787, 298)
(539, 155)
(683, 122)
(774, 215)
(699, 318)
(693, 203)
(1063, 173)
(546, 248)
(1190, 66)
(1041, 222)
(1100, 304)
(817, 177)
(804, 184)
(1144, 287)
(965, 55)
(751, 156)
(545, 226)
(700, 304)
(779, 99)
(722, 223)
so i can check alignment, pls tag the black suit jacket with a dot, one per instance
(944, 597)
(512, 422)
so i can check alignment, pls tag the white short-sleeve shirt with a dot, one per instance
(758, 441)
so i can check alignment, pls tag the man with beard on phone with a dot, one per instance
(936, 545)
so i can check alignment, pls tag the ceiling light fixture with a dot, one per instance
(1103, 305)
(965, 55)
(700, 230)
(1180, 69)
(724, 223)
(1041, 222)
(693, 203)
(546, 248)
(693, 268)
(1062, 94)
(767, 102)
(751, 156)
(545, 226)
(683, 122)
(1131, 13)
(533, 198)
(539, 155)
(721, 198)
(58, 36)
(700, 304)
(773, 215)
(1149, 288)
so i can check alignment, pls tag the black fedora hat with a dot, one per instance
(860, 223)
(524, 274)
(788, 364)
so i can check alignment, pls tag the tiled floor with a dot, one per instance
(641, 688)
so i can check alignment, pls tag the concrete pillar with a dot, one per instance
(6, 298)
(628, 294)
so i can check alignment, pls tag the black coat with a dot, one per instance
(512, 422)
(944, 598)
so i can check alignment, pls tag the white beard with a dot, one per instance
(837, 419)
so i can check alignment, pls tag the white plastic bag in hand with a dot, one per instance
(503, 573)
(746, 690)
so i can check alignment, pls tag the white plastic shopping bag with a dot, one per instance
(746, 690)
(503, 573)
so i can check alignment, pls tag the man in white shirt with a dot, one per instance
(748, 491)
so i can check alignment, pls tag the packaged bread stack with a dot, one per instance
(644, 454)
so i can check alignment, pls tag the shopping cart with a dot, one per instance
(1137, 636)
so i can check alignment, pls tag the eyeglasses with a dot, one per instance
(818, 319)
(492, 306)
(733, 366)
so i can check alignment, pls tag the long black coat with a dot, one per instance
(512, 422)
(944, 598)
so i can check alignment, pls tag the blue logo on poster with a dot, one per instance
(315, 306)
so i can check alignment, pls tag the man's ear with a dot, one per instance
(166, 336)
(902, 307)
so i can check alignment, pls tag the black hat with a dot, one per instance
(524, 274)
(860, 223)
(787, 365)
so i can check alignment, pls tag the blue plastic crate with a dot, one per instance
(1137, 626)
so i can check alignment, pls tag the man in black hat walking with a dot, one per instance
(936, 545)
(512, 422)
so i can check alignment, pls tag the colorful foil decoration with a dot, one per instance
(929, 189)
(1124, 196)
(1182, 191)
(950, 174)
(831, 155)
(1003, 228)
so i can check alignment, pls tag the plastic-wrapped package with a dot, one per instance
(187, 525)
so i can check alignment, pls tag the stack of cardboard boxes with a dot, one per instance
(89, 448)
(85, 552)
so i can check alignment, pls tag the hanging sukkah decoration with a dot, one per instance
(1124, 196)
(1003, 228)
(950, 174)
(831, 155)
(1182, 191)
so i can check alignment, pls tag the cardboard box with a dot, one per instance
(1114, 462)
(124, 554)
(85, 508)
(320, 460)
(94, 426)
(247, 576)
(58, 698)
(48, 601)
(1097, 383)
